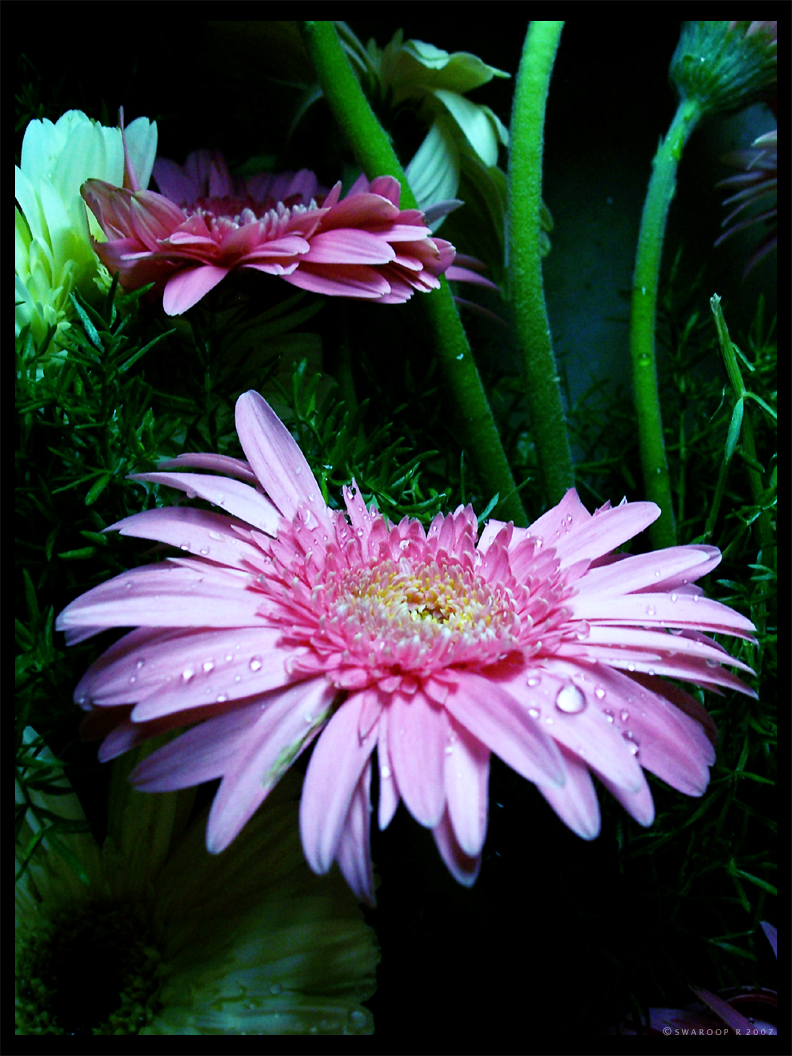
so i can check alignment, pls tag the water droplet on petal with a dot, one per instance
(712, 663)
(570, 700)
(133, 678)
(533, 681)
(188, 673)
(534, 713)
(215, 535)
(139, 664)
(608, 715)
(184, 546)
(256, 663)
(385, 771)
(276, 988)
(599, 692)
(221, 698)
(308, 718)
(673, 597)
(651, 610)
(624, 715)
(204, 550)
(207, 666)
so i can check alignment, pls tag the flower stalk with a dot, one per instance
(525, 282)
(643, 319)
(376, 156)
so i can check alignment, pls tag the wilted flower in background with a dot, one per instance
(756, 194)
(208, 224)
(724, 66)
(159, 937)
(744, 1010)
(283, 619)
(459, 154)
(53, 255)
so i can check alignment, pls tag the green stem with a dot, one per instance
(643, 318)
(525, 266)
(374, 153)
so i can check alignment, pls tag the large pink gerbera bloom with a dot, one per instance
(208, 224)
(284, 622)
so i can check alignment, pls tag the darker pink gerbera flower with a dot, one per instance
(208, 224)
(284, 622)
(755, 200)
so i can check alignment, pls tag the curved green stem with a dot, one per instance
(525, 266)
(643, 319)
(376, 156)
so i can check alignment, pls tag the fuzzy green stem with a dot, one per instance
(643, 319)
(375, 154)
(525, 265)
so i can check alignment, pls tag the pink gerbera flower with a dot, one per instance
(284, 622)
(755, 199)
(208, 224)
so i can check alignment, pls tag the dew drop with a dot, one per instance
(599, 692)
(256, 663)
(215, 535)
(128, 585)
(712, 663)
(651, 610)
(385, 771)
(673, 597)
(675, 630)
(207, 666)
(631, 667)
(570, 700)
(608, 715)
(184, 546)
(624, 715)
(533, 681)
(276, 988)
(549, 721)
(237, 678)
(657, 573)
(133, 678)
(204, 550)
(221, 698)
(449, 748)
(534, 713)
(188, 673)
(139, 664)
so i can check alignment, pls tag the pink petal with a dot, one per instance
(494, 717)
(463, 867)
(657, 571)
(276, 459)
(236, 498)
(162, 596)
(193, 531)
(466, 779)
(601, 533)
(348, 246)
(354, 853)
(202, 754)
(338, 760)
(669, 610)
(283, 730)
(576, 802)
(349, 280)
(187, 287)
(183, 664)
(417, 737)
(389, 797)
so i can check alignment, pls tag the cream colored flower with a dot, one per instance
(160, 937)
(53, 254)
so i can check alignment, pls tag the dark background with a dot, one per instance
(557, 934)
